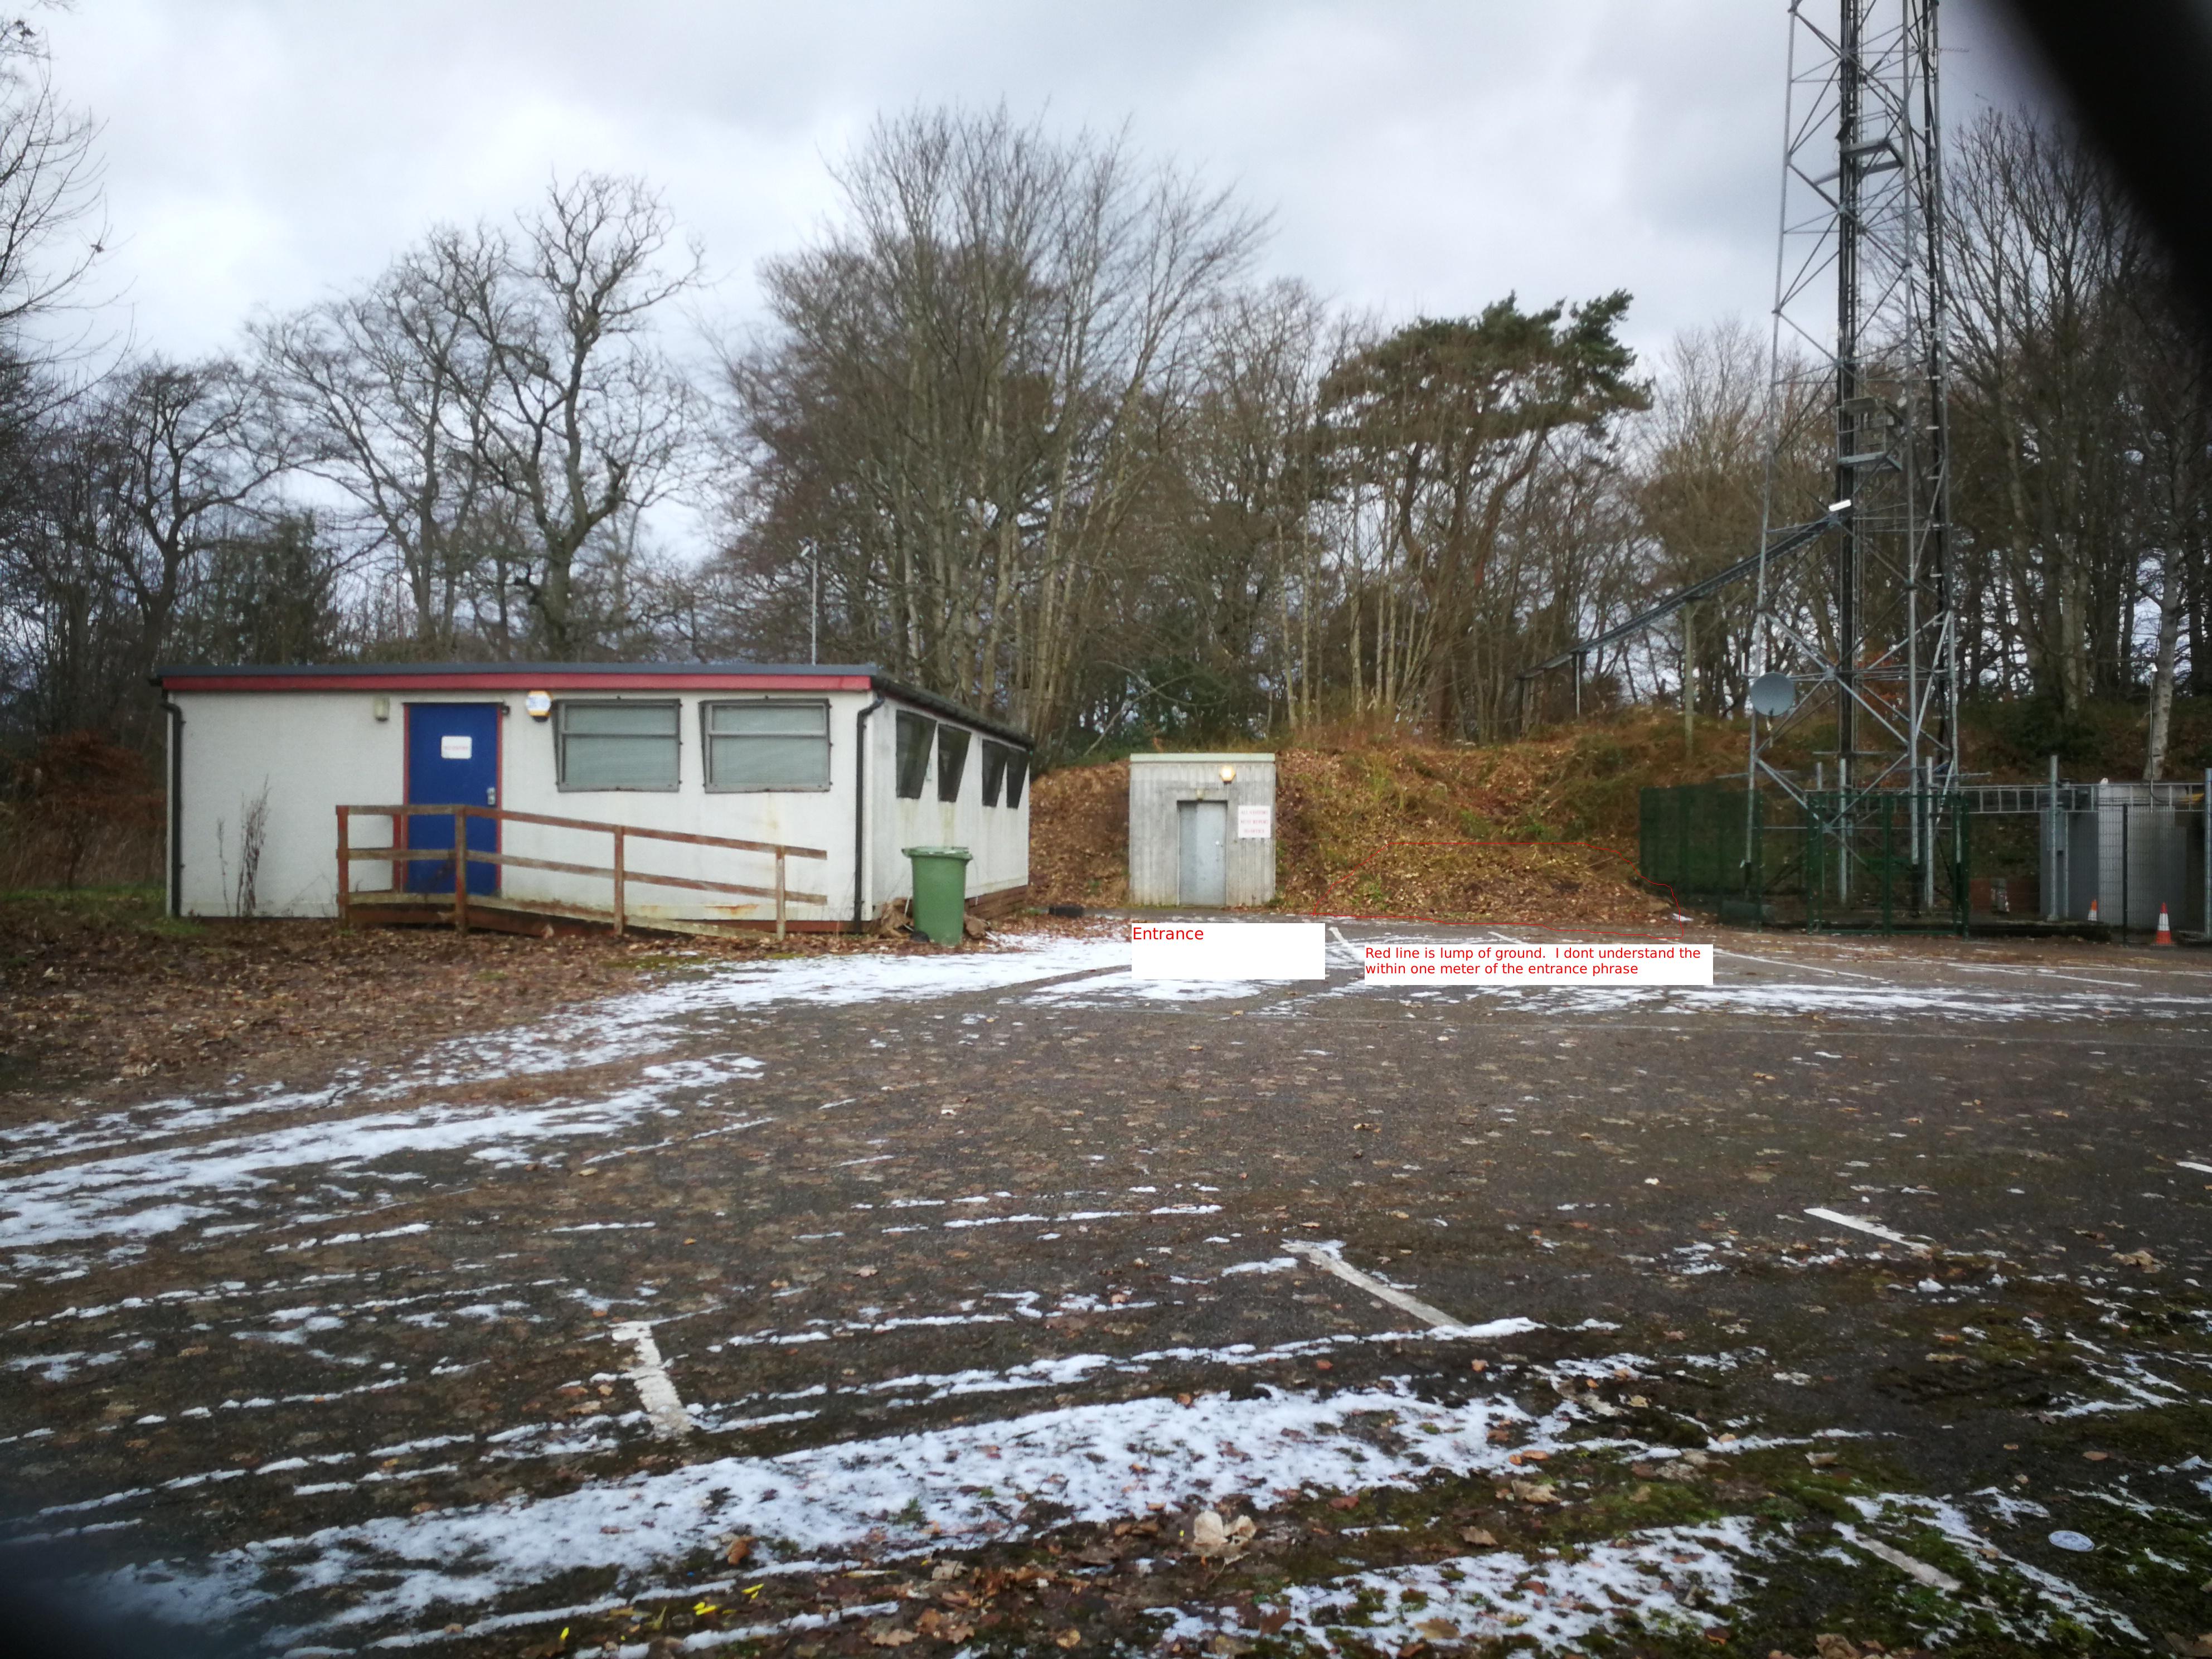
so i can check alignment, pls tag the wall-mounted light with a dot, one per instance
(1228, 774)
(537, 704)
(381, 707)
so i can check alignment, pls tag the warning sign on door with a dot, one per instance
(452, 748)
(1255, 822)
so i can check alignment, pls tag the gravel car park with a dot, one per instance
(995, 1301)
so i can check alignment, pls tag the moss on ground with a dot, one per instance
(142, 909)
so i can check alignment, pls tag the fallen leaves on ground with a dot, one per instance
(1079, 836)
(100, 988)
(1341, 803)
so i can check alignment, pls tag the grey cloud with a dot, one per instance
(1416, 157)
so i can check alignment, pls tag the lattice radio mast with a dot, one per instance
(1866, 628)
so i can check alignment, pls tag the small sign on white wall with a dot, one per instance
(1255, 822)
(451, 747)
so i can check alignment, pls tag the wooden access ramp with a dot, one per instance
(399, 906)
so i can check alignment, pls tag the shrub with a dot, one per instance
(81, 808)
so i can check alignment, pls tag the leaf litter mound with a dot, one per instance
(1541, 832)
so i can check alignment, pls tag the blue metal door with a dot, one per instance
(453, 760)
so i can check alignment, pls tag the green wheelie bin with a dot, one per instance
(941, 891)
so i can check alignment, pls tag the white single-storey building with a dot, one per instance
(839, 766)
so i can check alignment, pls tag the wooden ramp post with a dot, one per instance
(346, 872)
(461, 870)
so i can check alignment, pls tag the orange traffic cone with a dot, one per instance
(2093, 911)
(2164, 935)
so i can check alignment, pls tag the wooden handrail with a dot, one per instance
(461, 856)
(441, 855)
(501, 814)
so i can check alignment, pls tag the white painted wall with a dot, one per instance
(998, 837)
(309, 751)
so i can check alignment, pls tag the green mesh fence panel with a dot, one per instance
(1882, 860)
(1709, 842)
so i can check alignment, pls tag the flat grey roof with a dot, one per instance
(515, 675)
(1203, 760)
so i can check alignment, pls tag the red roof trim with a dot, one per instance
(511, 682)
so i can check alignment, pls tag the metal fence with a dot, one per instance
(1881, 859)
(2118, 855)
(1877, 860)
(1716, 843)
(2132, 851)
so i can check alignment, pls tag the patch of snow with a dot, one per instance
(1654, 1576)
(144, 1193)
(968, 1483)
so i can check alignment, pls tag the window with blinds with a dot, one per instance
(616, 745)
(753, 746)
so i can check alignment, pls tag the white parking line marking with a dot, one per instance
(2201, 1168)
(655, 1391)
(1327, 1262)
(2045, 972)
(1864, 1226)
(1807, 967)
(1933, 1577)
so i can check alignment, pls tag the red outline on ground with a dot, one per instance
(1675, 908)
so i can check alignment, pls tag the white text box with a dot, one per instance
(1494, 963)
(1229, 949)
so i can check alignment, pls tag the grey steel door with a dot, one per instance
(1202, 868)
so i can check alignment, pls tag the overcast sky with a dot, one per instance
(1416, 157)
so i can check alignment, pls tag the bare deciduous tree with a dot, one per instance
(181, 453)
(2043, 253)
(582, 416)
(1700, 473)
(49, 186)
(388, 392)
(968, 386)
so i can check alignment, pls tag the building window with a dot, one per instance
(951, 761)
(994, 771)
(914, 734)
(616, 745)
(767, 745)
(1017, 769)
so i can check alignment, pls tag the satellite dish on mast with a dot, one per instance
(1773, 695)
